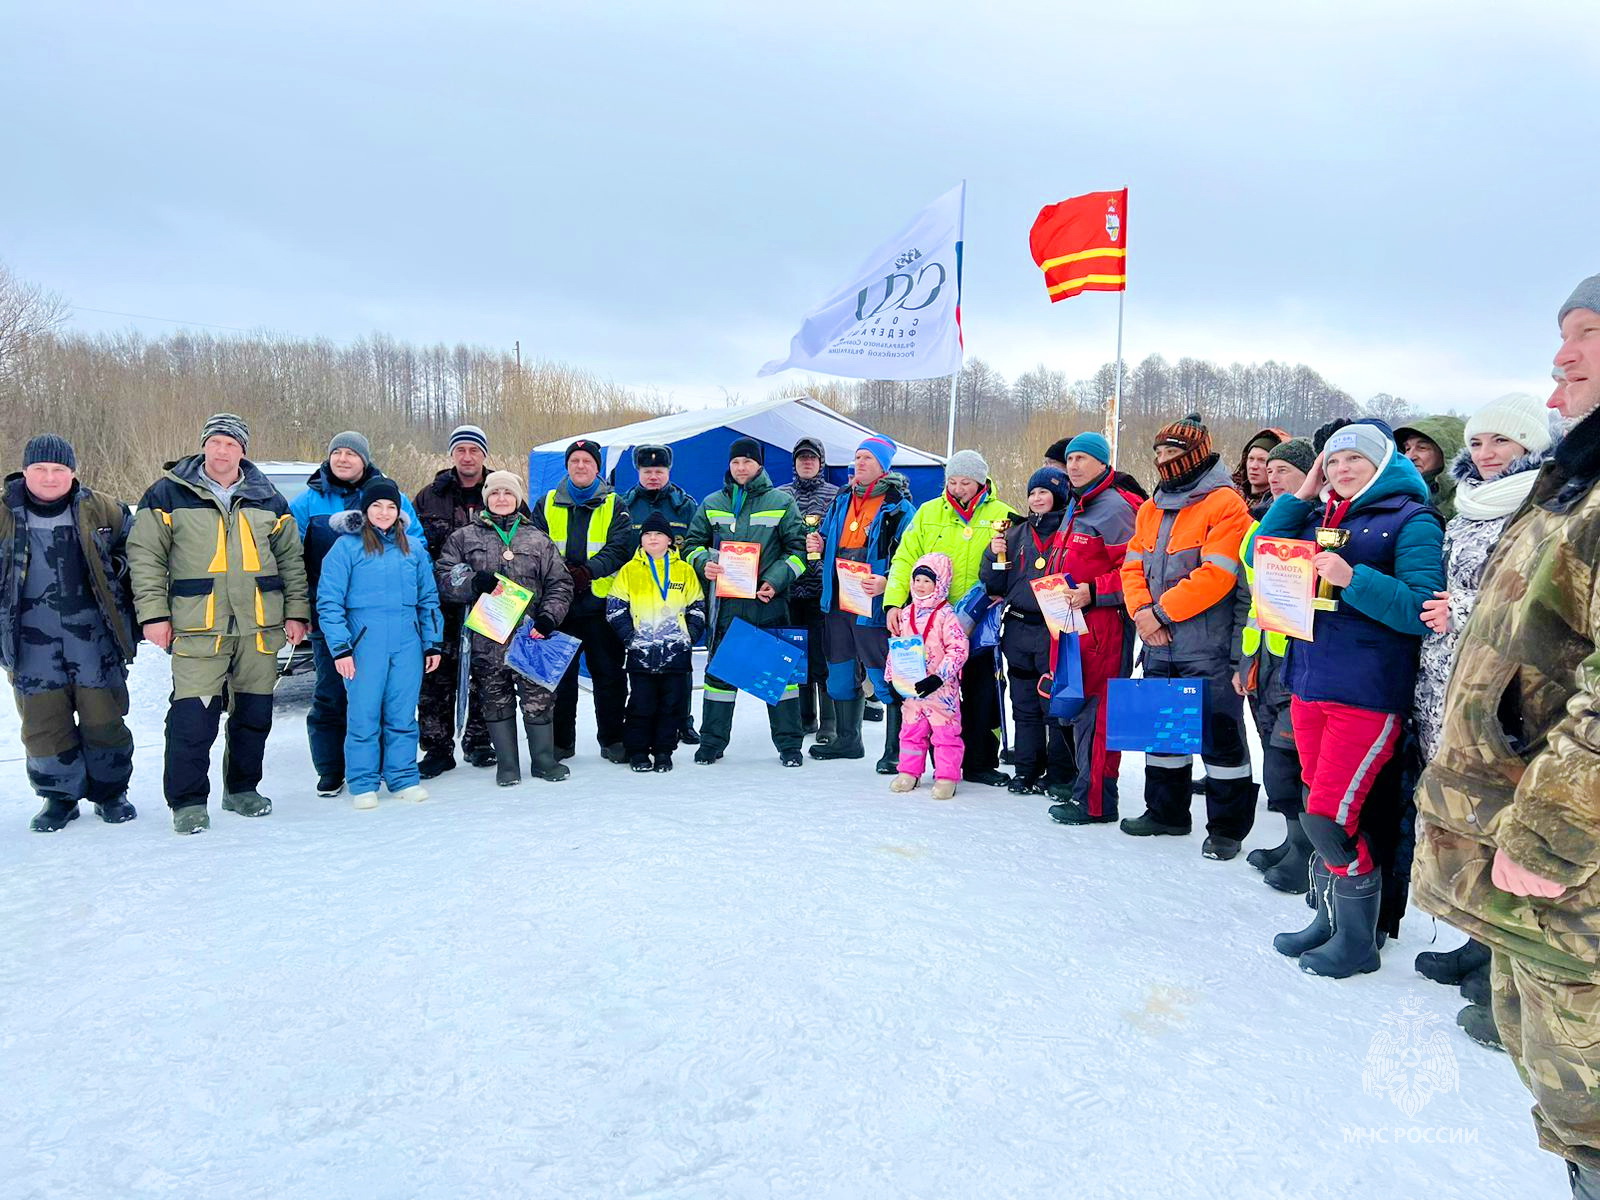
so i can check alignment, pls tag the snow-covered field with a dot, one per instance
(730, 981)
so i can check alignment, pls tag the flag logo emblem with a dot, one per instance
(1113, 222)
(906, 259)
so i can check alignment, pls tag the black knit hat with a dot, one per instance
(651, 456)
(382, 488)
(585, 446)
(747, 447)
(1057, 451)
(656, 523)
(49, 448)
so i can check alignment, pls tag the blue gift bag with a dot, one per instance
(543, 660)
(755, 661)
(1066, 682)
(798, 639)
(1155, 716)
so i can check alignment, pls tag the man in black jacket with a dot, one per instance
(812, 495)
(588, 523)
(454, 498)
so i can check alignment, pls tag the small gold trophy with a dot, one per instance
(812, 521)
(1001, 563)
(1329, 539)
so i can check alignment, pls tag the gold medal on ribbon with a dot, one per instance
(506, 554)
(967, 533)
(1039, 563)
(854, 525)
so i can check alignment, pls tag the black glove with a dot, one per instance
(582, 577)
(928, 686)
(544, 624)
(484, 582)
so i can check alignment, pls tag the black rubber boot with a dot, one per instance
(1452, 967)
(1263, 859)
(1288, 874)
(827, 720)
(716, 729)
(889, 764)
(542, 760)
(53, 817)
(1320, 884)
(507, 760)
(846, 742)
(1353, 948)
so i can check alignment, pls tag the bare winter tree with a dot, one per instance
(27, 312)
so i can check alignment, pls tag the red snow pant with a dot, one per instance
(1342, 749)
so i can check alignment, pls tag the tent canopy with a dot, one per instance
(700, 439)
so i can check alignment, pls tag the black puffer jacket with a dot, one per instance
(812, 497)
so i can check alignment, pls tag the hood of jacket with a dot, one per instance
(1216, 477)
(1447, 433)
(943, 571)
(1465, 472)
(1397, 476)
(253, 484)
(1241, 480)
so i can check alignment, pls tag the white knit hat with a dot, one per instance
(1516, 415)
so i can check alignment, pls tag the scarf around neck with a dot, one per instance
(1479, 499)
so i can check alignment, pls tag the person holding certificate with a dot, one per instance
(502, 541)
(1353, 685)
(748, 512)
(857, 541)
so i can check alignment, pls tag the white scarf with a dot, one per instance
(1477, 500)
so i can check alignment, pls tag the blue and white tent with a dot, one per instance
(700, 440)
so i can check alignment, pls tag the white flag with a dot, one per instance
(900, 316)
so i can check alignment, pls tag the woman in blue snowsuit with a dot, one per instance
(378, 607)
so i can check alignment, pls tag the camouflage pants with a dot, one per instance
(436, 708)
(78, 746)
(499, 690)
(1551, 1030)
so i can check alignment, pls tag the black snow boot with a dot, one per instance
(1288, 874)
(53, 817)
(889, 764)
(1452, 967)
(873, 711)
(1477, 1022)
(434, 764)
(687, 734)
(827, 720)
(479, 756)
(507, 760)
(116, 810)
(1320, 885)
(846, 742)
(542, 761)
(1475, 987)
(1353, 948)
(1264, 858)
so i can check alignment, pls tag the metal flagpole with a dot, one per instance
(950, 428)
(950, 432)
(1115, 419)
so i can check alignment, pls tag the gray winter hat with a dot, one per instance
(1297, 452)
(1585, 295)
(49, 448)
(1373, 442)
(354, 442)
(967, 464)
(226, 425)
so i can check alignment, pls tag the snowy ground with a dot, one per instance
(732, 981)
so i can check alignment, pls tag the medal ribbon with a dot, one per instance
(1051, 551)
(505, 536)
(662, 582)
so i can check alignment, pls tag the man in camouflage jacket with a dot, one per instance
(1508, 839)
(66, 634)
(219, 580)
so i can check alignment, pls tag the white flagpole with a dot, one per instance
(1115, 420)
(955, 380)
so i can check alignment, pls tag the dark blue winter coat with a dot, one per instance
(326, 496)
(883, 538)
(359, 588)
(1364, 653)
(672, 502)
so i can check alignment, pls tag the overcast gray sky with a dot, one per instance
(1398, 194)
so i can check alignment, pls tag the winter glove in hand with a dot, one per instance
(582, 577)
(544, 624)
(928, 686)
(484, 582)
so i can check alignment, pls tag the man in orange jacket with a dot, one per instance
(1178, 581)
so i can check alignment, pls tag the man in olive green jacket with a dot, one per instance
(219, 581)
(1508, 832)
(1432, 444)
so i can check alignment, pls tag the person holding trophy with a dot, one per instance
(812, 495)
(1379, 559)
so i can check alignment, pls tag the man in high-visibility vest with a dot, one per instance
(1260, 672)
(586, 520)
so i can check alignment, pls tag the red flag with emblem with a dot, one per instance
(1081, 244)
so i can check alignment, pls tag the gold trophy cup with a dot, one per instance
(812, 521)
(1329, 539)
(1001, 563)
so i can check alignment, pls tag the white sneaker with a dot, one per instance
(902, 782)
(944, 789)
(365, 800)
(415, 794)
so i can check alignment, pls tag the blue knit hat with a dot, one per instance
(1092, 444)
(881, 448)
(1053, 481)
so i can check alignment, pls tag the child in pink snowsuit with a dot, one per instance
(932, 708)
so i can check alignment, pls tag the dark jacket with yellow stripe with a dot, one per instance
(760, 513)
(208, 570)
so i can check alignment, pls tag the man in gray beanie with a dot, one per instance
(333, 488)
(1508, 842)
(960, 524)
(66, 634)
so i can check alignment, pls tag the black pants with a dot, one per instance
(191, 730)
(980, 713)
(1042, 751)
(436, 706)
(658, 706)
(1230, 791)
(806, 613)
(602, 654)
